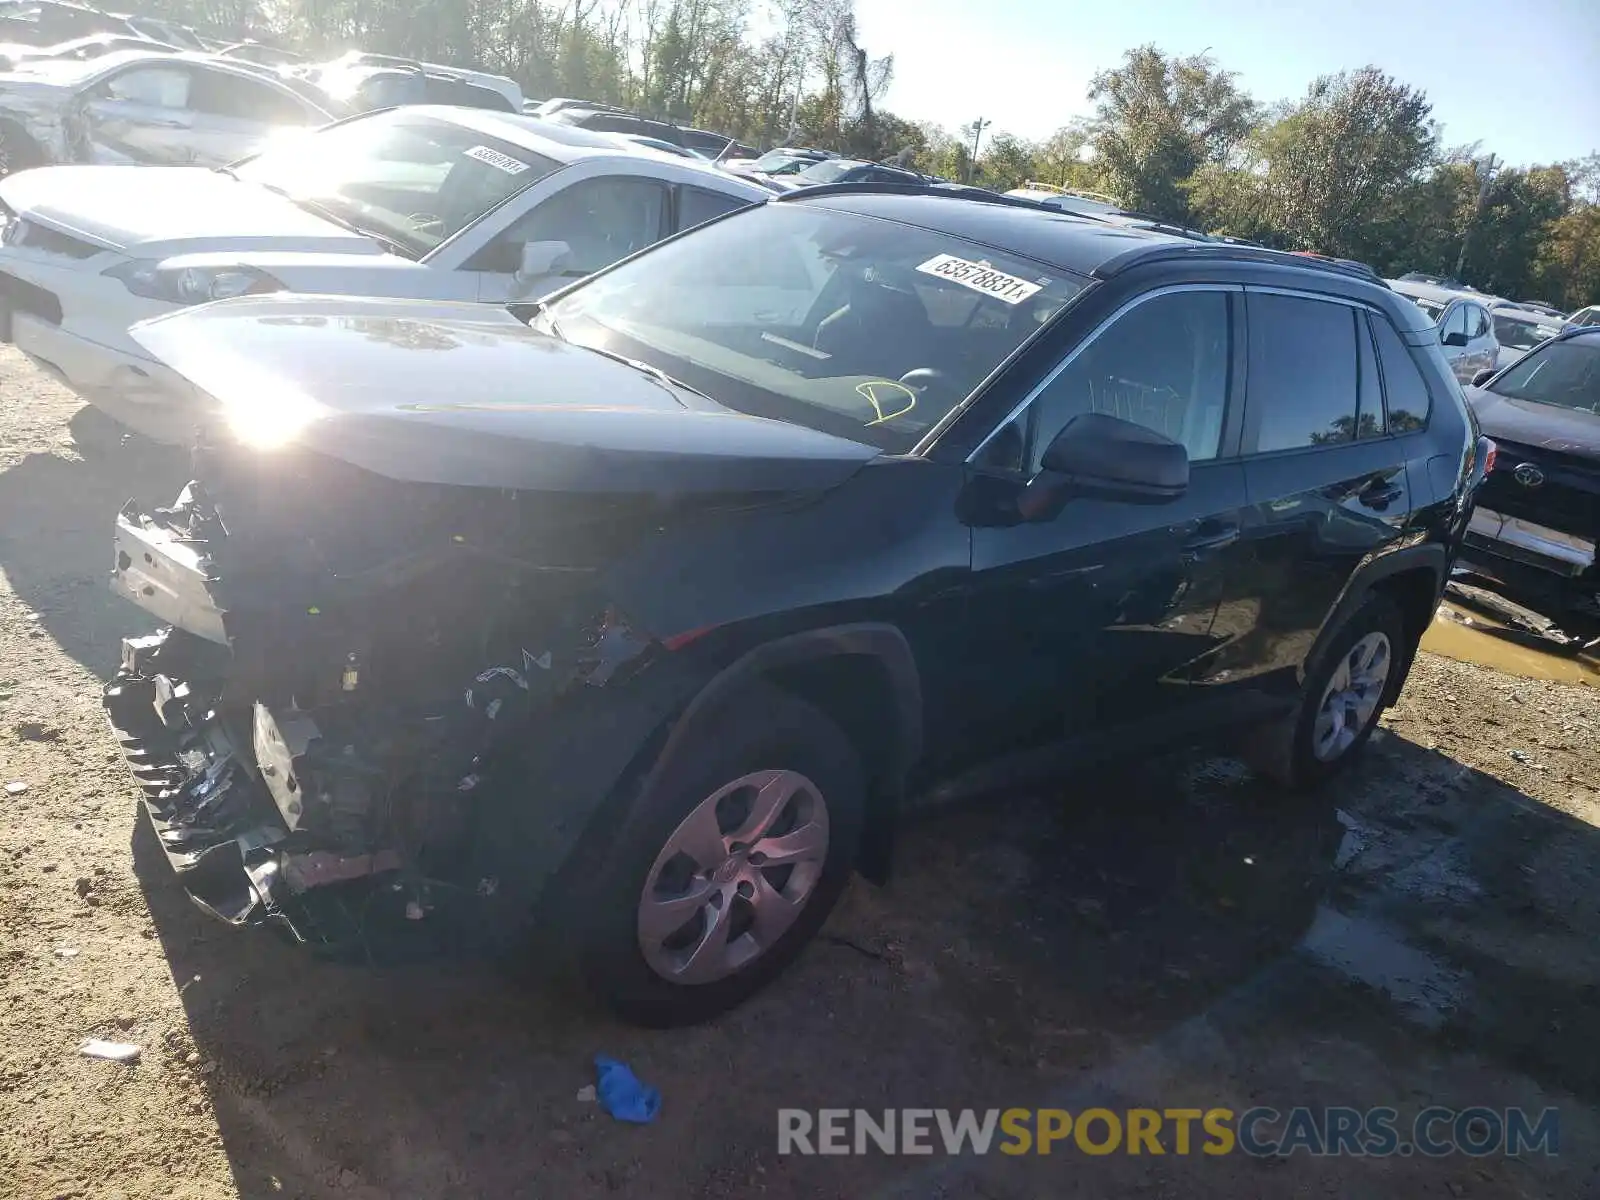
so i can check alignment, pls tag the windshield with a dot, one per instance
(1522, 333)
(410, 179)
(1566, 374)
(828, 170)
(855, 326)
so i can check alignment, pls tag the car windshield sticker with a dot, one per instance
(980, 277)
(501, 162)
(888, 399)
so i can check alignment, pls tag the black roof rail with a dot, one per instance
(957, 191)
(1157, 251)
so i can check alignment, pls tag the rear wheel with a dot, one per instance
(1343, 696)
(725, 867)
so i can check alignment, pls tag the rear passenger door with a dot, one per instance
(1325, 475)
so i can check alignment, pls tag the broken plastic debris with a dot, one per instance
(66, 952)
(16, 787)
(122, 1052)
(586, 1094)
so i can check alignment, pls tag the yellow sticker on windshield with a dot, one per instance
(888, 399)
(980, 277)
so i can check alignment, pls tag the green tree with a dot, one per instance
(1157, 120)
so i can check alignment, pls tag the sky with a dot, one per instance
(1521, 76)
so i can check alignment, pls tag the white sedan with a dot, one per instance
(421, 203)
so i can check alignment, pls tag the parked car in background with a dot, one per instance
(1584, 318)
(612, 120)
(426, 202)
(1465, 331)
(145, 107)
(262, 55)
(365, 88)
(336, 75)
(169, 33)
(1518, 330)
(650, 143)
(1538, 516)
(1442, 281)
(48, 22)
(785, 160)
(653, 612)
(1084, 203)
(96, 45)
(1537, 306)
(844, 170)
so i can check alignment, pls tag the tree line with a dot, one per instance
(1355, 167)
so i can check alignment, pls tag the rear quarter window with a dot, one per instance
(1404, 389)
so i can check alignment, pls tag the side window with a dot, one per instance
(1477, 322)
(1404, 389)
(219, 95)
(1369, 412)
(602, 219)
(1455, 323)
(1163, 364)
(154, 87)
(1303, 374)
(696, 206)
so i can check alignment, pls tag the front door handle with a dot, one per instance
(1380, 493)
(1211, 535)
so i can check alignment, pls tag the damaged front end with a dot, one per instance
(341, 702)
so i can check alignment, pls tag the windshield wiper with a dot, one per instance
(655, 373)
(316, 208)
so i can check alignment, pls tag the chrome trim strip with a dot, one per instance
(1575, 554)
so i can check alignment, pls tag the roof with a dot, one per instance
(1051, 237)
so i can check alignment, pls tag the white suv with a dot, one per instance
(422, 203)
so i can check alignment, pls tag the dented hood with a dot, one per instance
(467, 394)
(158, 211)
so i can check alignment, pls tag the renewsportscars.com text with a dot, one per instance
(1374, 1132)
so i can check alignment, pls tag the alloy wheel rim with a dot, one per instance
(1350, 701)
(733, 877)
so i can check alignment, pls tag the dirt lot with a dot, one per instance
(1173, 934)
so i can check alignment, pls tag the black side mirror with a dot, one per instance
(1105, 456)
(1483, 377)
(1454, 339)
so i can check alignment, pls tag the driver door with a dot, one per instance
(141, 115)
(1103, 613)
(601, 219)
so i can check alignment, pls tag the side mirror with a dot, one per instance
(1105, 456)
(1483, 377)
(541, 258)
(1454, 339)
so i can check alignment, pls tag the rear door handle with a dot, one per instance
(1211, 535)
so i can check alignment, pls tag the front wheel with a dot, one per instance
(725, 866)
(1343, 696)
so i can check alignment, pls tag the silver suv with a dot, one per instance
(1465, 331)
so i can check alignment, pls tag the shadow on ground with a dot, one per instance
(55, 541)
(1030, 948)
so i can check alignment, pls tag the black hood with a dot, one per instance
(1540, 426)
(466, 394)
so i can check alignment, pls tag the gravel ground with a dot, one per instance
(1173, 933)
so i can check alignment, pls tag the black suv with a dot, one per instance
(642, 624)
(1538, 516)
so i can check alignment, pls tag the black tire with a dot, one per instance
(1283, 751)
(765, 729)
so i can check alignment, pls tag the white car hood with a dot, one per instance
(159, 211)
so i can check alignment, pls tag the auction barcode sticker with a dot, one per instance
(504, 162)
(980, 277)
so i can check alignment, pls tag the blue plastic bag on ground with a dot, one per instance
(622, 1094)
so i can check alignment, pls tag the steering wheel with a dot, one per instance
(920, 379)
